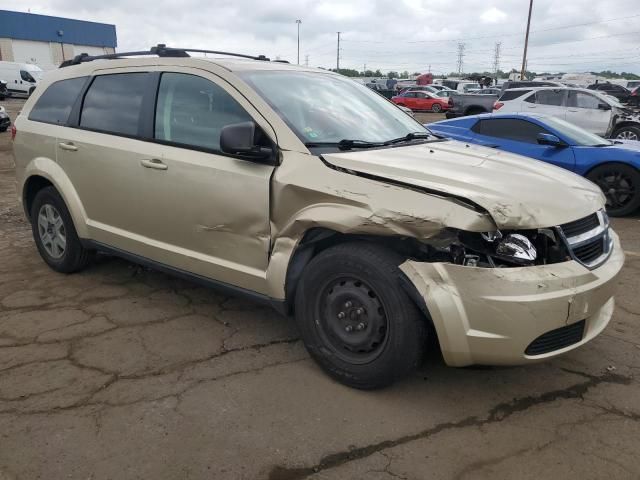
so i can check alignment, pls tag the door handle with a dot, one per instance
(68, 146)
(154, 163)
(531, 106)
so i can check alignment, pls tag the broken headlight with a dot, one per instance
(517, 248)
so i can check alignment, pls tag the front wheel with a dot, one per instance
(627, 133)
(621, 185)
(436, 108)
(354, 317)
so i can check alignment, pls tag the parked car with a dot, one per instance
(5, 120)
(511, 84)
(406, 110)
(419, 88)
(617, 91)
(589, 109)
(612, 165)
(305, 190)
(634, 97)
(4, 93)
(421, 101)
(462, 104)
(446, 93)
(21, 78)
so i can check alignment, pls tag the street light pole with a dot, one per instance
(298, 22)
(526, 43)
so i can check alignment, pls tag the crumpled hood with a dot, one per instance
(518, 192)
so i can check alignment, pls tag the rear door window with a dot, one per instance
(55, 104)
(550, 97)
(192, 111)
(113, 103)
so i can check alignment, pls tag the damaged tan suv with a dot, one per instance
(303, 189)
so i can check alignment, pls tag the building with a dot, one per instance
(48, 41)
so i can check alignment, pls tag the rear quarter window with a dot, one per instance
(55, 104)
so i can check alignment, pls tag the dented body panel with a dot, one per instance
(490, 316)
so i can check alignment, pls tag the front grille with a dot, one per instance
(556, 339)
(587, 239)
(583, 225)
(590, 252)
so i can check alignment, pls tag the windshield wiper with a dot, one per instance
(409, 137)
(346, 144)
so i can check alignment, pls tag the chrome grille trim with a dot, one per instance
(593, 236)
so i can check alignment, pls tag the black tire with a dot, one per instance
(621, 185)
(475, 111)
(628, 132)
(436, 108)
(361, 280)
(74, 256)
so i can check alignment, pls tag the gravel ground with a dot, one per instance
(123, 372)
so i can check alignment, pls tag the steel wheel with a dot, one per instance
(436, 108)
(52, 231)
(351, 320)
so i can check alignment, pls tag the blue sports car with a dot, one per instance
(614, 165)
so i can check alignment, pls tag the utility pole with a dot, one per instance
(526, 43)
(496, 59)
(338, 54)
(461, 47)
(298, 22)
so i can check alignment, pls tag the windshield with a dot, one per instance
(323, 108)
(576, 135)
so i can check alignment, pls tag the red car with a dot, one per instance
(419, 100)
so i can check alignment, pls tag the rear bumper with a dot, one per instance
(491, 315)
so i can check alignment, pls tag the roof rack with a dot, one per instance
(160, 50)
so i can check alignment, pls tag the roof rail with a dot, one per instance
(160, 50)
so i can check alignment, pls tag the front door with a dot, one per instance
(521, 137)
(583, 109)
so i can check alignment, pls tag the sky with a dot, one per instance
(398, 35)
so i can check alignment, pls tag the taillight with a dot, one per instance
(14, 130)
(498, 105)
(450, 101)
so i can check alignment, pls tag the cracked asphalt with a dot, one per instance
(120, 372)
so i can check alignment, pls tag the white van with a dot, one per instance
(20, 77)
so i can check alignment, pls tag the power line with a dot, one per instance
(496, 58)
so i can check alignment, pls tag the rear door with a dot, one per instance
(548, 102)
(521, 137)
(583, 109)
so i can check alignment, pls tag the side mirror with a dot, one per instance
(238, 139)
(604, 106)
(548, 139)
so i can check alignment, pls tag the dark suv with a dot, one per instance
(612, 89)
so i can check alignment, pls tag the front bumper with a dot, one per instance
(490, 316)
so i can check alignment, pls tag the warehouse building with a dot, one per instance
(48, 41)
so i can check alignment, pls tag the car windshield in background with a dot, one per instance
(577, 135)
(323, 109)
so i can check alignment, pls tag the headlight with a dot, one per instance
(517, 248)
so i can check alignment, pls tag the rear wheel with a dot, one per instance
(354, 317)
(621, 185)
(627, 133)
(55, 234)
(436, 108)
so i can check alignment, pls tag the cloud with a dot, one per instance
(493, 15)
(386, 34)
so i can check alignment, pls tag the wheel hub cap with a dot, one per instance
(51, 230)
